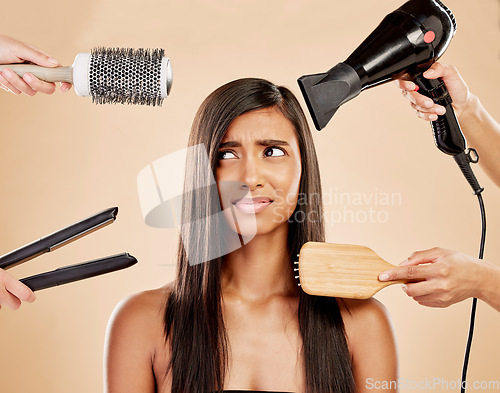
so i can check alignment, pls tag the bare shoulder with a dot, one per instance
(142, 304)
(370, 337)
(133, 339)
(357, 313)
(140, 315)
(365, 321)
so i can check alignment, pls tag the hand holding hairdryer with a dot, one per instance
(408, 40)
(426, 109)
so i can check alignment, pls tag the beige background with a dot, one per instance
(63, 158)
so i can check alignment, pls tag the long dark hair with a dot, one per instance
(193, 316)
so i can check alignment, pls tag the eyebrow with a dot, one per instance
(260, 142)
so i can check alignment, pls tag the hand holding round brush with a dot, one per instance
(13, 51)
(109, 75)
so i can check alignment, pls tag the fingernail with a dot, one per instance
(404, 262)
(441, 111)
(383, 277)
(7, 72)
(27, 78)
(429, 72)
(416, 88)
(404, 287)
(53, 61)
(433, 117)
(428, 104)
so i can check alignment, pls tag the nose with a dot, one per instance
(253, 175)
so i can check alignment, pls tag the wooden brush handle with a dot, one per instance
(56, 74)
(341, 270)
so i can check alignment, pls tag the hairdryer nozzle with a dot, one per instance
(324, 93)
(408, 39)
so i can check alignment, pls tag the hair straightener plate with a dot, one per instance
(60, 238)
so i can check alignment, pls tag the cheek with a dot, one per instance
(229, 189)
(288, 184)
(293, 178)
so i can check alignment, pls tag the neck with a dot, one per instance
(261, 268)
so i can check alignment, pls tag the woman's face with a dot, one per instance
(258, 172)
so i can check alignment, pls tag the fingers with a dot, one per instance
(5, 76)
(28, 84)
(37, 85)
(426, 256)
(29, 53)
(406, 273)
(12, 292)
(431, 300)
(424, 107)
(419, 289)
(405, 84)
(65, 87)
(430, 294)
(411, 268)
(438, 70)
(9, 300)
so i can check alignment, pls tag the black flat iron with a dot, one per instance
(68, 274)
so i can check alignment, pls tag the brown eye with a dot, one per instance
(274, 152)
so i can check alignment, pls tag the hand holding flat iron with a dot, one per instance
(12, 291)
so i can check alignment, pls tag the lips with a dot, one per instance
(252, 205)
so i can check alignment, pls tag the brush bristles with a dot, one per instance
(126, 76)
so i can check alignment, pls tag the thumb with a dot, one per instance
(426, 256)
(35, 56)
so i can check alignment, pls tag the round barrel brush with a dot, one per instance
(112, 75)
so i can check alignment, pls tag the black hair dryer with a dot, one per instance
(408, 40)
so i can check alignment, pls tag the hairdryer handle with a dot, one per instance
(447, 133)
(446, 130)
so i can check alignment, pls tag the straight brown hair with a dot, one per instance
(194, 324)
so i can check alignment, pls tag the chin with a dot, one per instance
(254, 228)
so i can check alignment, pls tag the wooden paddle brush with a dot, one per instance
(341, 270)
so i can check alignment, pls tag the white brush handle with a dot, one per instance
(56, 74)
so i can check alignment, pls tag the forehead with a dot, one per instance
(267, 123)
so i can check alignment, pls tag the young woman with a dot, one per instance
(238, 321)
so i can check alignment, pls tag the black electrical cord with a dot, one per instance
(474, 300)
